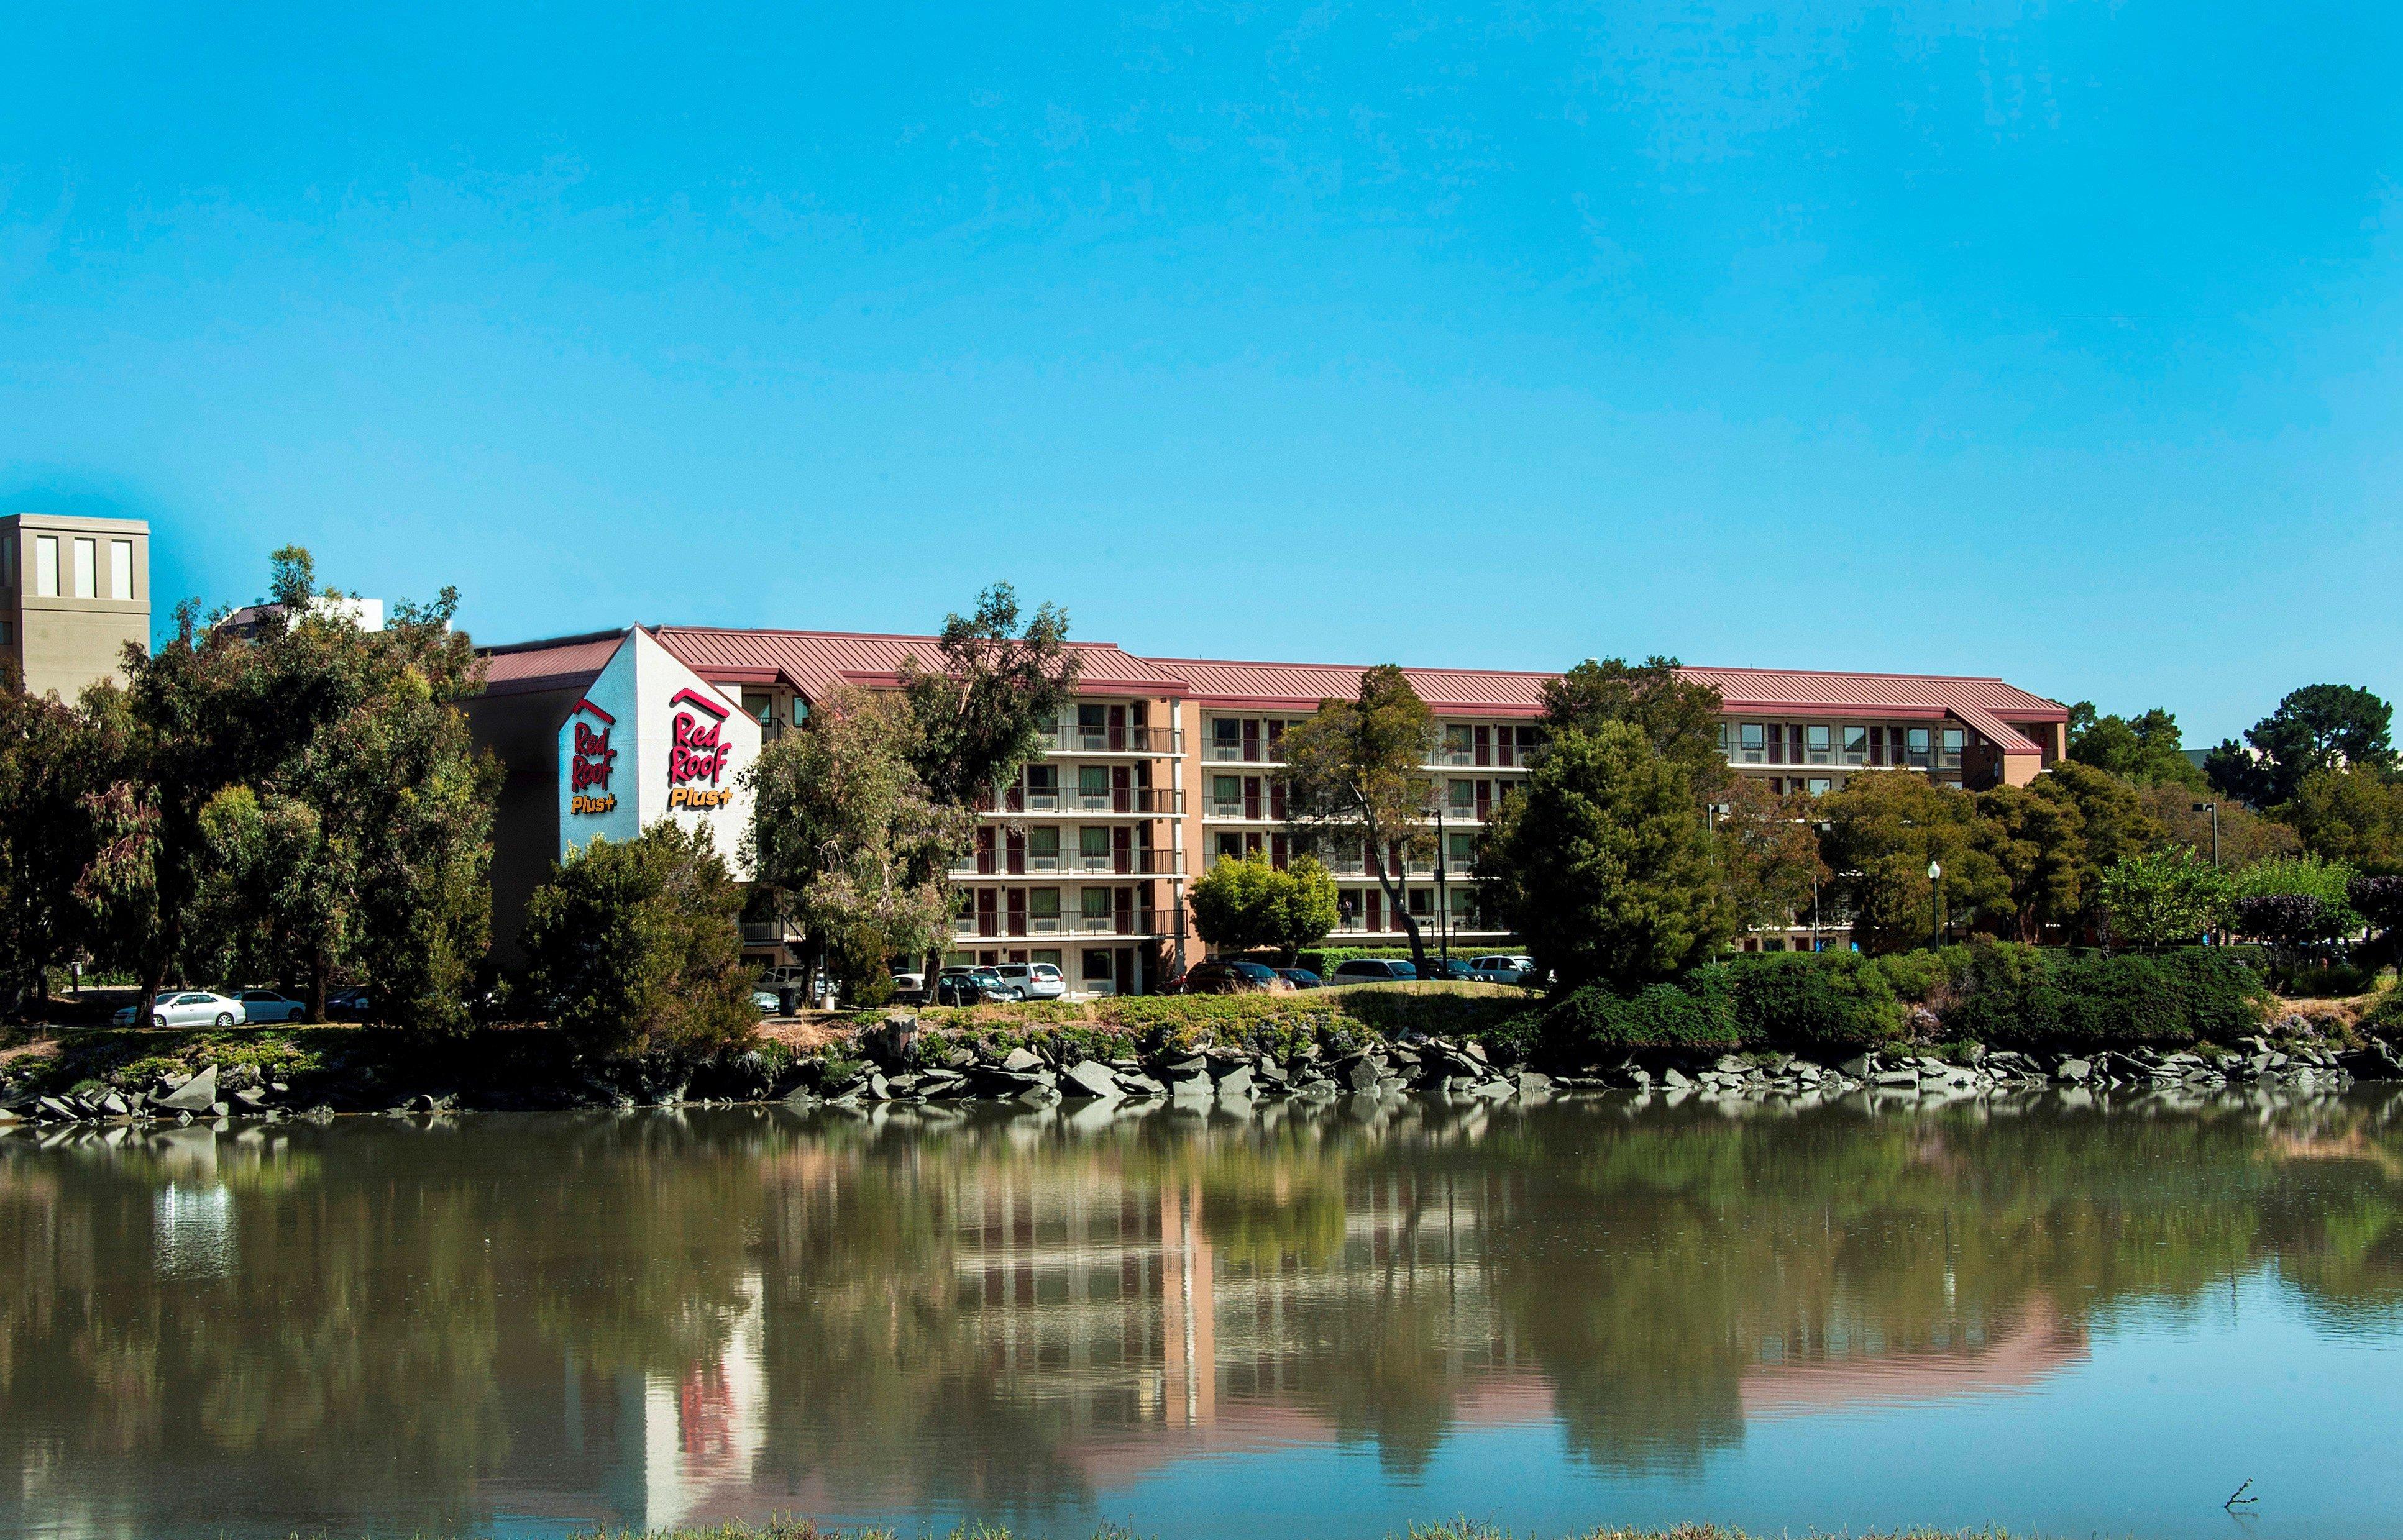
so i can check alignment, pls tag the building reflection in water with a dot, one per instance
(531, 1325)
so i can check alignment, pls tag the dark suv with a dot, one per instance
(1223, 976)
(1372, 970)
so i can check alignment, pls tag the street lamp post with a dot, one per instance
(1936, 903)
(2213, 808)
(1443, 904)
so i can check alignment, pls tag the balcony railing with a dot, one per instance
(1152, 862)
(1122, 739)
(1134, 801)
(1117, 923)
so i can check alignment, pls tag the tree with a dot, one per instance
(1611, 875)
(2146, 750)
(1357, 772)
(985, 707)
(50, 760)
(1680, 716)
(2352, 814)
(303, 799)
(1248, 905)
(847, 842)
(2244, 836)
(2037, 841)
(1882, 830)
(1768, 850)
(632, 946)
(2163, 898)
(2319, 727)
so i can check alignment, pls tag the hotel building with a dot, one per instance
(1159, 767)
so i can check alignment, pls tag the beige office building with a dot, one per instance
(74, 593)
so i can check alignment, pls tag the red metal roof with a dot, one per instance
(1984, 703)
(815, 662)
(529, 666)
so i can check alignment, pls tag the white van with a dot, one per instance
(1033, 981)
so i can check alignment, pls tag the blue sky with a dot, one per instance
(2051, 340)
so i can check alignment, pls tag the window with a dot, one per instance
(1043, 780)
(87, 568)
(1225, 738)
(1463, 797)
(1231, 845)
(1043, 843)
(120, 569)
(1918, 740)
(1042, 956)
(1726, 741)
(45, 565)
(1228, 790)
(1091, 719)
(1818, 785)
(1821, 743)
(1043, 903)
(1097, 968)
(1092, 780)
(761, 708)
(1953, 741)
(1754, 738)
(1093, 840)
(1095, 903)
(1421, 902)
(1463, 849)
(1456, 737)
(1857, 746)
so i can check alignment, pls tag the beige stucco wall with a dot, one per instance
(63, 643)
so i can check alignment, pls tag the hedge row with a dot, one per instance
(1994, 992)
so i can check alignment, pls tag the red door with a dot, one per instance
(1122, 850)
(1015, 851)
(1376, 909)
(1485, 745)
(1117, 728)
(1251, 797)
(984, 852)
(1018, 912)
(1251, 741)
(1122, 788)
(1125, 911)
(987, 921)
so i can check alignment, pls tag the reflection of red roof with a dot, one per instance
(815, 662)
(2036, 1347)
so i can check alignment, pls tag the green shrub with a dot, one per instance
(1595, 1022)
(1919, 977)
(2002, 991)
(1830, 999)
(2008, 994)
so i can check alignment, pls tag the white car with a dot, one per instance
(1503, 970)
(189, 1008)
(260, 1006)
(1033, 981)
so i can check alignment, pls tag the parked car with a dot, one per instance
(1373, 970)
(910, 989)
(1227, 976)
(189, 1008)
(768, 1001)
(1504, 970)
(262, 1005)
(1301, 978)
(1454, 970)
(969, 987)
(1033, 981)
(350, 1006)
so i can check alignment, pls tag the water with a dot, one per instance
(2070, 1320)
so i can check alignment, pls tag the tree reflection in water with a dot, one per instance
(659, 1318)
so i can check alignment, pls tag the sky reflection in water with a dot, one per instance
(1310, 1324)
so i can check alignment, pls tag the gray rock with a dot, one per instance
(1085, 1078)
(1676, 1079)
(197, 1094)
(1192, 1087)
(2076, 1072)
(1531, 1084)
(1362, 1076)
(1236, 1082)
(1858, 1066)
(57, 1107)
(1021, 1062)
(251, 1096)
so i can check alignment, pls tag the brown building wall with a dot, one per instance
(60, 643)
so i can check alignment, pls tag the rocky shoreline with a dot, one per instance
(896, 1066)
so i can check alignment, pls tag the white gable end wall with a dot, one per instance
(656, 741)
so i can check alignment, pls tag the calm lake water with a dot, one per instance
(2066, 1319)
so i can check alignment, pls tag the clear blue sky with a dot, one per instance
(2053, 341)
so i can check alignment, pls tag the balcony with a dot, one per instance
(1128, 801)
(1224, 751)
(1152, 862)
(1253, 809)
(1120, 924)
(1148, 741)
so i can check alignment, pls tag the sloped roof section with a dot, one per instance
(816, 662)
(1300, 686)
(522, 668)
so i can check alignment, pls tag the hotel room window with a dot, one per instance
(1463, 851)
(1463, 797)
(1094, 782)
(1726, 741)
(1952, 740)
(1094, 903)
(1043, 907)
(1225, 738)
(1822, 745)
(1094, 843)
(1856, 744)
(1043, 847)
(1043, 781)
(1457, 740)
(1919, 749)
(1818, 785)
(1754, 740)
(1226, 794)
